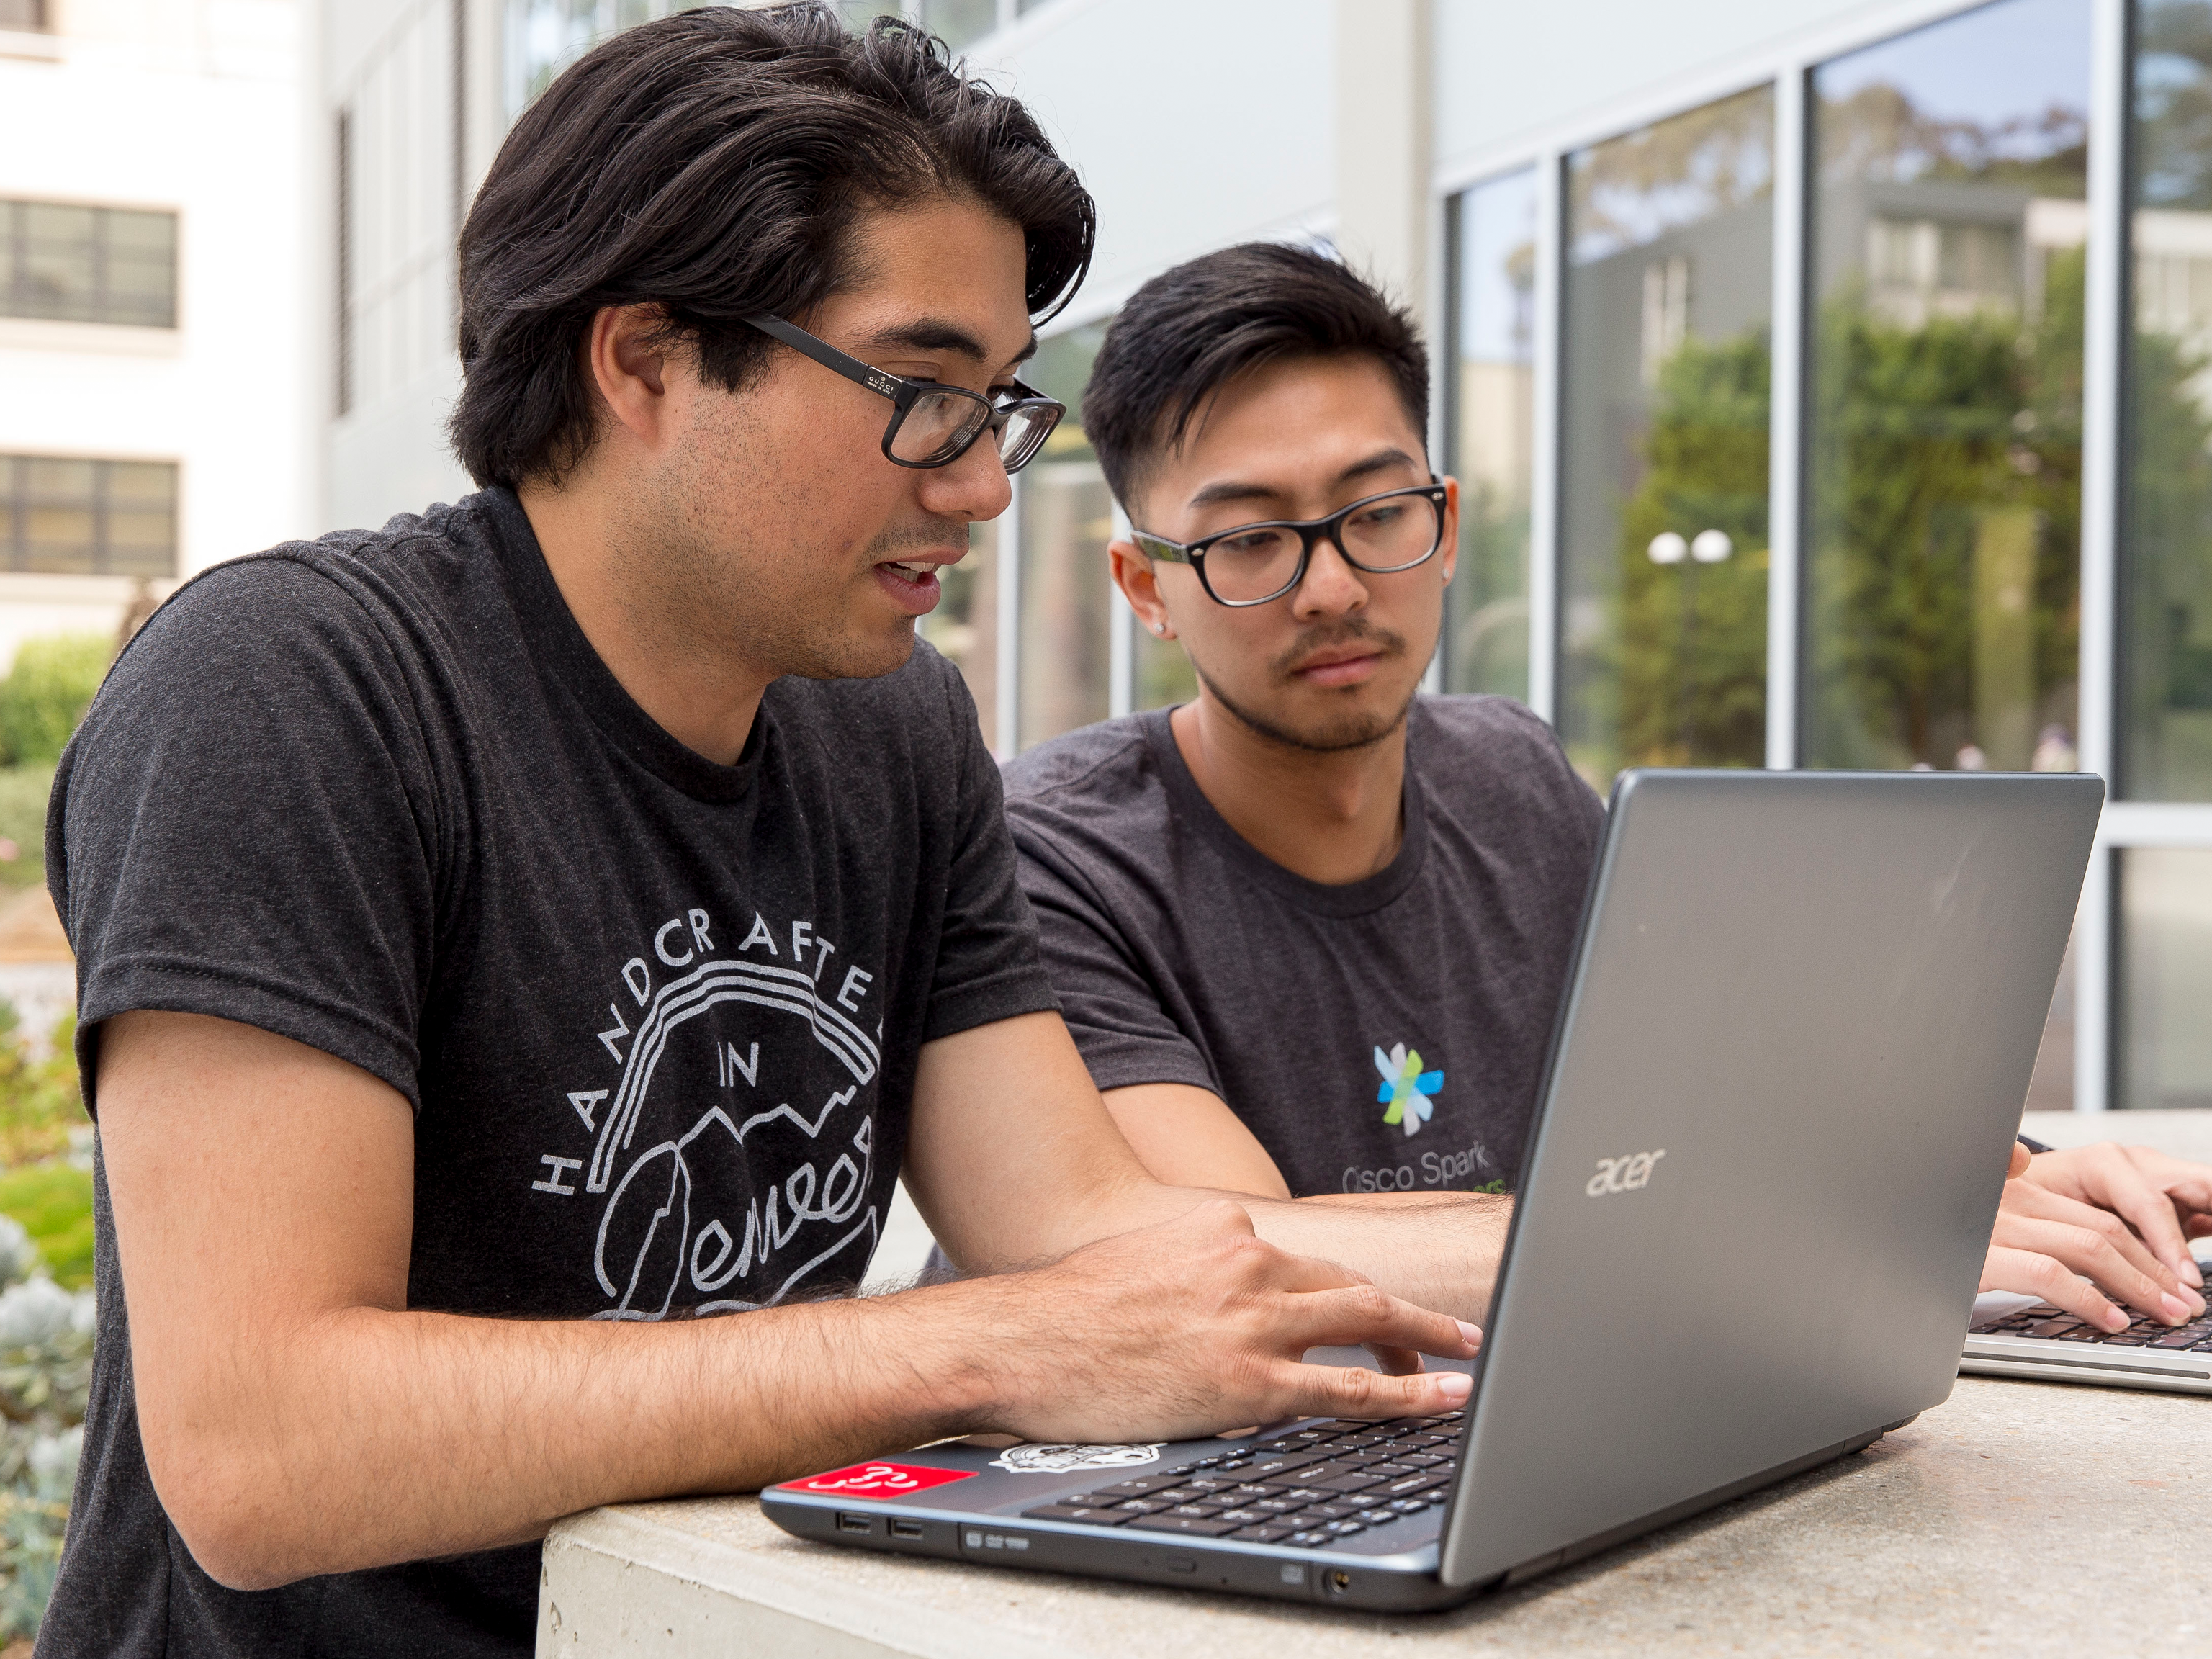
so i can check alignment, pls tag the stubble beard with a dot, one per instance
(1353, 730)
(712, 595)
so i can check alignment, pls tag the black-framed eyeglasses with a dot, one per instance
(933, 425)
(1256, 563)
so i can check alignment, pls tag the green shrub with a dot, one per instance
(46, 691)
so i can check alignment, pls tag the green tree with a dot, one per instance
(46, 691)
(1693, 637)
(1923, 435)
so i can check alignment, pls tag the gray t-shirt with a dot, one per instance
(1386, 1034)
(658, 1019)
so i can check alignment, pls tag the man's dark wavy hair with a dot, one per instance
(713, 163)
(1189, 331)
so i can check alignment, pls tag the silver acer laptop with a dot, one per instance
(1793, 1048)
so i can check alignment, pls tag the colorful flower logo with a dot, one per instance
(1406, 1087)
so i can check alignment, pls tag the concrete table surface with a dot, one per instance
(2015, 1518)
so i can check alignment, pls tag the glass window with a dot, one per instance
(959, 23)
(544, 37)
(1669, 290)
(1493, 322)
(87, 518)
(1067, 520)
(1944, 465)
(76, 264)
(2166, 979)
(2166, 568)
(965, 624)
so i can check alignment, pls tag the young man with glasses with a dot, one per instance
(508, 937)
(1310, 929)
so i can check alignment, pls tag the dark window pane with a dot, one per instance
(86, 264)
(1663, 523)
(2165, 978)
(1945, 438)
(2166, 566)
(79, 518)
(1486, 627)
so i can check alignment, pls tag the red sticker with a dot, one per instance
(878, 1480)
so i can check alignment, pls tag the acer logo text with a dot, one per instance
(1621, 1175)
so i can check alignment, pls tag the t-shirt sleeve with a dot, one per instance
(1118, 1011)
(986, 957)
(244, 825)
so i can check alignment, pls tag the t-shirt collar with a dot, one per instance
(1356, 898)
(567, 662)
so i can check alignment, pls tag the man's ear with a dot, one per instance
(628, 354)
(1133, 575)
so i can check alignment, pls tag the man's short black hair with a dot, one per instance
(1189, 331)
(712, 163)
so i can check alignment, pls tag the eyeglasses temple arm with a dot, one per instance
(1157, 548)
(826, 354)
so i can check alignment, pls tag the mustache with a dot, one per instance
(1345, 630)
(931, 535)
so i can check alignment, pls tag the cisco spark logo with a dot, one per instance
(1623, 1175)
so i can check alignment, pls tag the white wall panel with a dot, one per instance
(1194, 125)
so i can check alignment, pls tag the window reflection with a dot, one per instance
(2166, 568)
(1163, 676)
(1945, 421)
(1486, 625)
(1664, 515)
(964, 626)
(1066, 518)
(2165, 978)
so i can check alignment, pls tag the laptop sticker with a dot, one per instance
(878, 1480)
(1067, 1460)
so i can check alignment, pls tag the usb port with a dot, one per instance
(911, 1529)
(860, 1523)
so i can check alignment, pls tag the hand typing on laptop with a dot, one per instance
(2110, 1218)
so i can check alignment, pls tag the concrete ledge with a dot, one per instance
(2018, 1518)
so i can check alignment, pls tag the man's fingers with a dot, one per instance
(2027, 1273)
(1355, 1391)
(2096, 1242)
(2086, 1251)
(1356, 1315)
(2132, 1189)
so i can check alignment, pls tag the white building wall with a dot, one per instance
(1193, 124)
(191, 105)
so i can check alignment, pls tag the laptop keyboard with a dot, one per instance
(2045, 1321)
(1305, 1490)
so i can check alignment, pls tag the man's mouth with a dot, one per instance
(912, 583)
(1344, 665)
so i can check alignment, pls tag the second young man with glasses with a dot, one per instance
(1309, 930)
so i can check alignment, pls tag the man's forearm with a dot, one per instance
(1438, 1250)
(372, 1437)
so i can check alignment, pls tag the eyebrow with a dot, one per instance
(1230, 490)
(938, 334)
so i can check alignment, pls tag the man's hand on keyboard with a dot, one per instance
(2051, 1245)
(2165, 1199)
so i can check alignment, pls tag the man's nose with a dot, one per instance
(1330, 587)
(975, 487)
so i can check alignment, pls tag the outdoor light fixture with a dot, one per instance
(1710, 547)
(1667, 548)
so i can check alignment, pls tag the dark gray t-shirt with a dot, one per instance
(1384, 1035)
(658, 1019)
